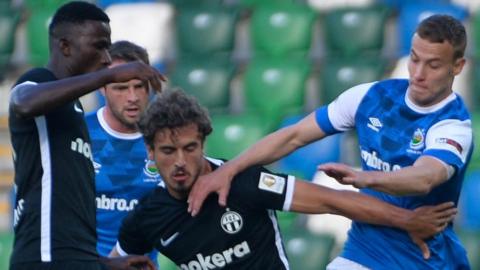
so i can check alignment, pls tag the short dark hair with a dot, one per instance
(128, 52)
(170, 110)
(77, 12)
(440, 28)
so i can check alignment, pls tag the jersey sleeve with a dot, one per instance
(450, 141)
(260, 188)
(339, 115)
(131, 237)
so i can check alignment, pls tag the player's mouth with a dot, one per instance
(180, 176)
(417, 87)
(132, 111)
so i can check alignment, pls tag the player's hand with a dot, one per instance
(426, 221)
(130, 262)
(345, 174)
(138, 70)
(217, 181)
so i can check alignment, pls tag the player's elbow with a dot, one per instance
(23, 110)
(22, 107)
(423, 187)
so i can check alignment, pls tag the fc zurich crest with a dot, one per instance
(231, 222)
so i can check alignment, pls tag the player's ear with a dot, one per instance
(64, 46)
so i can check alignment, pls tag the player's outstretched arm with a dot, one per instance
(422, 223)
(130, 262)
(425, 174)
(29, 100)
(267, 150)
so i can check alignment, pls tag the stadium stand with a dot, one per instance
(340, 73)
(105, 3)
(278, 43)
(9, 20)
(270, 25)
(356, 31)
(37, 34)
(307, 250)
(233, 134)
(147, 24)
(412, 13)
(325, 6)
(205, 31)
(6, 243)
(275, 87)
(209, 81)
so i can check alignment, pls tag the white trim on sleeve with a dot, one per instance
(342, 110)
(452, 135)
(289, 193)
(119, 250)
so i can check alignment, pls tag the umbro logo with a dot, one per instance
(169, 240)
(375, 124)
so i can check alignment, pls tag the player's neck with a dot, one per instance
(207, 167)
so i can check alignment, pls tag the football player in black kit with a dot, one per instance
(245, 234)
(54, 220)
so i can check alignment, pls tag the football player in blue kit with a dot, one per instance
(123, 172)
(415, 139)
(54, 220)
(245, 233)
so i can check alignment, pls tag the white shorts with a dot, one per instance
(340, 263)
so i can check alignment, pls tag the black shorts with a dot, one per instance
(59, 265)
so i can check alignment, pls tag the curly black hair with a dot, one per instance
(173, 109)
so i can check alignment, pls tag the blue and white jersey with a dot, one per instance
(123, 175)
(393, 132)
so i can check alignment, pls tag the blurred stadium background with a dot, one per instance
(259, 65)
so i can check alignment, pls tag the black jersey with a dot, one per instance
(54, 217)
(244, 235)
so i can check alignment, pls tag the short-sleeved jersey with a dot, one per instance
(393, 133)
(54, 217)
(244, 235)
(123, 175)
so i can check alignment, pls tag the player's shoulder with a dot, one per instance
(249, 178)
(38, 75)
(158, 196)
(94, 127)
(458, 109)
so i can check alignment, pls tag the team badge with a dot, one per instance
(271, 183)
(231, 222)
(150, 168)
(418, 139)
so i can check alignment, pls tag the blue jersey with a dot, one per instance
(393, 133)
(123, 175)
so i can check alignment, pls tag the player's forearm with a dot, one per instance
(311, 198)
(413, 180)
(34, 100)
(267, 150)
(363, 208)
